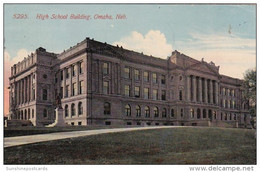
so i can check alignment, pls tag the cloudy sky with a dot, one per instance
(224, 34)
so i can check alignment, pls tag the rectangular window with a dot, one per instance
(154, 78)
(33, 93)
(73, 89)
(44, 94)
(146, 77)
(137, 75)
(61, 75)
(155, 94)
(80, 67)
(80, 87)
(127, 72)
(180, 95)
(163, 79)
(137, 91)
(61, 92)
(127, 90)
(67, 73)
(105, 68)
(67, 91)
(73, 70)
(146, 93)
(105, 87)
(163, 94)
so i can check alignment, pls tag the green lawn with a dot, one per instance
(157, 146)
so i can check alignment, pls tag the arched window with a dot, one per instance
(221, 115)
(204, 113)
(127, 110)
(29, 114)
(107, 108)
(198, 113)
(45, 113)
(80, 108)
(66, 110)
(230, 116)
(191, 113)
(72, 109)
(156, 112)
(21, 114)
(225, 116)
(147, 111)
(235, 116)
(172, 113)
(164, 113)
(210, 114)
(32, 113)
(138, 111)
(181, 113)
(214, 114)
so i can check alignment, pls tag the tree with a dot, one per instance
(250, 92)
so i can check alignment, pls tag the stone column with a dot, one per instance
(22, 100)
(188, 88)
(77, 80)
(200, 90)
(211, 91)
(64, 82)
(70, 78)
(206, 90)
(194, 88)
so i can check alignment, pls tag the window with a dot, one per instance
(127, 90)
(80, 87)
(67, 91)
(72, 109)
(137, 75)
(61, 92)
(180, 95)
(164, 113)
(80, 108)
(146, 93)
(163, 79)
(33, 94)
(234, 104)
(105, 68)
(105, 87)
(146, 77)
(137, 91)
(44, 94)
(107, 108)
(214, 114)
(155, 94)
(191, 113)
(127, 72)
(156, 112)
(230, 116)
(163, 95)
(225, 116)
(32, 113)
(223, 91)
(73, 89)
(73, 70)
(45, 113)
(80, 67)
(79, 123)
(224, 103)
(181, 113)
(228, 92)
(235, 116)
(44, 76)
(204, 113)
(147, 111)
(172, 113)
(29, 114)
(233, 93)
(67, 73)
(129, 123)
(127, 110)
(180, 78)
(221, 116)
(154, 78)
(198, 113)
(61, 75)
(138, 111)
(107, 123)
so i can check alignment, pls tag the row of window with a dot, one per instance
(228, 104)
(73, 110)
(72, 71)
(227, 92)
(25, 114)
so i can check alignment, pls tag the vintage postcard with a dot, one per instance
(132, 84)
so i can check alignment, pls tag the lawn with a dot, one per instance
(187, 145)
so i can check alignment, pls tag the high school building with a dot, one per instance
(101, 84)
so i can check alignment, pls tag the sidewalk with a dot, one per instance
(22, 140)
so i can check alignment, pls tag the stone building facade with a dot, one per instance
(101, 84)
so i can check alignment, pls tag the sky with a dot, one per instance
(224, 34)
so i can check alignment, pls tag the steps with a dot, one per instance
(18, 123)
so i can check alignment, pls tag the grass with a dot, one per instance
(158, 146)
(26, 130)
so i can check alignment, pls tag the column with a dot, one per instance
(200, 90)
(22, 91)
(188, 88)
(70, 78)
(194, 88)
(77, 76)
(29, 88)
(205, 90)
(211, 90)
(64, 82)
